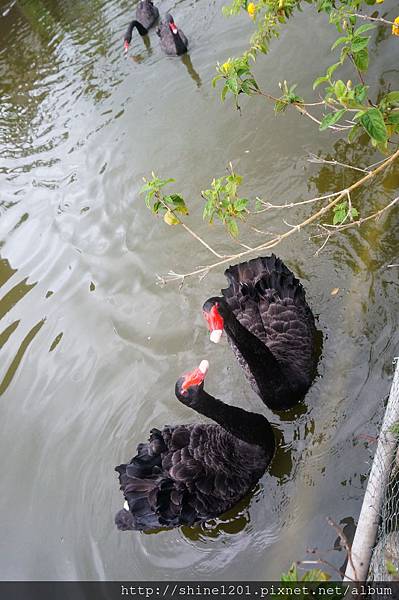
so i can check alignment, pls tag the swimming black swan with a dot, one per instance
(147, 13)
(173, 41)
(146, 16)
(128, 35)
(270, 328)
(189, 473)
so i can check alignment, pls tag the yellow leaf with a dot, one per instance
(395, 28)
(334, 291)
(170, 218)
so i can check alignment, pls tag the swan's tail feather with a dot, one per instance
(137, 493)
(153, 499)
(260, 277)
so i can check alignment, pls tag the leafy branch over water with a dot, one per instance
(344, 108)
(341, 201)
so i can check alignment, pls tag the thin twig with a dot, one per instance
(367, 18)
(359, 222)
(323, 245)
(344, 542)
(269, 206)
(190, 231)
(301, 107)
(320, 561)
(316, 159)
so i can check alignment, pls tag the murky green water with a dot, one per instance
(90, 347)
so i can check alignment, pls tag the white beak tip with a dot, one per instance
(204, 366)
(216, 335)
(126, 505)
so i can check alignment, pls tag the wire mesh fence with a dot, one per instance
(375, 549)
(384, 564)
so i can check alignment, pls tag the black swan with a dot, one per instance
(172, 40)
(270, 328)
(128, 35)
(147, 13)
(187, 474)
(146, 16)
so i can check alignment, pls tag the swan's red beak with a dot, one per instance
(215, 323)
(126, 46)
(173, 28)
(195, 377)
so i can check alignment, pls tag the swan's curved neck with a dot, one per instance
(179, 44)
(140, 28)
(263, 365)
(249, 427)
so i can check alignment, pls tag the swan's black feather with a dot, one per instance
(270, 302)
(187, 474)
(171, 44)
(147, 13)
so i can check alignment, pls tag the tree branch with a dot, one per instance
(367, 18)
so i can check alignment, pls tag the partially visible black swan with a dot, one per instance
(129, 32)
(187, 474)
(146, 16)
(147, 13)
(270, 327)
(172, 39)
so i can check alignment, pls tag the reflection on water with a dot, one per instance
(231, 523)
(186, 60)
(91, 347)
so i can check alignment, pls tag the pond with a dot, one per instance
(91, 347)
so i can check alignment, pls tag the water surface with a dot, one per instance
(91, 347)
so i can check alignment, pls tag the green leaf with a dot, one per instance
(157, 206)
(240, 205)
(319, 80)
(331, 119)
(362, 59)
(354, 212)
(177, 203)
(393, 118)
(215, 80)
(280, 106)
(392, 98)
(333, 68)
(208, 211)
(232, 84)
(224, 92)
(232, 227)
(339, 216)
(359, 43)
(373, 122)
(360, 92)
(364, 28)
(339, 88)
(340, 40)
(246, 87)
(354, 133)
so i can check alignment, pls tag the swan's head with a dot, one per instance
(189, 384)
(172, 25)
(213, 317)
